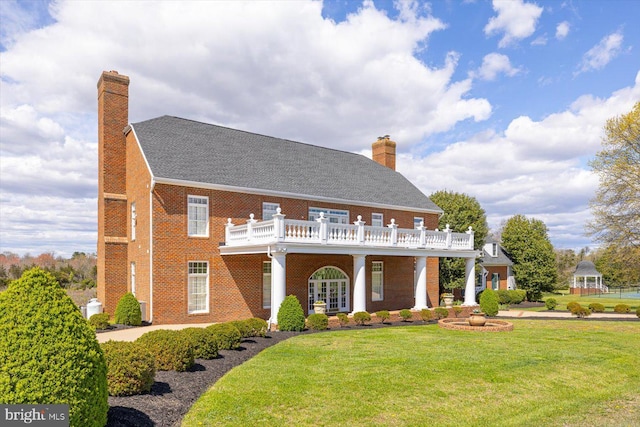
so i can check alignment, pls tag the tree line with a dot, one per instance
(78, 271)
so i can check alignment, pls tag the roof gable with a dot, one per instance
(194, 152)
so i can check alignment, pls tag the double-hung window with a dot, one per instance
(198, 287)
(198, 211)
(269, 210)
(266, 284)
(377, 274)
(417, 221)
(377, 220)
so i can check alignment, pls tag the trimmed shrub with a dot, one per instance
(517, 296)
(128, 311)
(318, 321)
(131, 368)
(638, 312)
(361, 318)
(291, 315)
(171, 349)
(226, 335)
(571, 305)
(243, 327)
(489, 302)
(203, 342)
(504, 296)
(258, 326)
(596, 307)
(405, 314)
(383, 315)
(580, 311)
(550, 303)
(426, 314)
(48, 351)
(99, 321)
(441, 313)
(622, 308)
(343, 318)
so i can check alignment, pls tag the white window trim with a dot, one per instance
(341, 215)
(206, 206)
(374, 220)
(266, 276)
(416, 221)
(377, 273)
(189, 276)
(133, 278)
(133, 221)
(267, 214)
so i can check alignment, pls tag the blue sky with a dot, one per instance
(504, 101)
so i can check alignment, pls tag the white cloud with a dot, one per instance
(539, 41)
(533, 168)
(515, 18)
(601, 54)
(562, 30)
(494, 64)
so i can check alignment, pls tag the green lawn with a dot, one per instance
(608, 301)
(546, 373)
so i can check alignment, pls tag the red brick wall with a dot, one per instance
(236, 280)
(502, 271)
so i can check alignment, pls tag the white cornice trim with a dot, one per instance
(310, 197)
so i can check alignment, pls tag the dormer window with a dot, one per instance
(494, 250)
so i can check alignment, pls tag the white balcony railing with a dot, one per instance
(322, 232)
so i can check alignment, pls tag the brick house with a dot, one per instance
(497, 267)
(205, 224)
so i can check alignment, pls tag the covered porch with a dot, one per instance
(279, 237)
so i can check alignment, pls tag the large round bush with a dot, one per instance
(203, 342)
(131, 368)
(128, 311)
(48, 351)
(489, 302)
(226, 335)
(291, 315)
(172, 350)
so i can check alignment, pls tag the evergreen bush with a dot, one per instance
(128, 311)
(48, 351)
(361, 318)
(580, 311)
(426, 314)
(258, 326)
(226, 335)
(291, 315)
(405, 314)
(622, 308)
(517, 296)
(343, 318)
(131, 368)
(243, 327)
(318, 321)
(596, 307)
(441, 313)
(383, 315)
(504, 296)
(172, 350)
(571, 305)
(550, 304)
(99, 321)
(489, 302)
(203, 342)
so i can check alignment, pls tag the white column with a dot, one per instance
(359, 284)
(470, 277)
(278, 283)
(421, 283)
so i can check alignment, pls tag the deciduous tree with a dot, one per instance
(616, 205)
(533, 256)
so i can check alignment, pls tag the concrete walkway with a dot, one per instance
(132, 334)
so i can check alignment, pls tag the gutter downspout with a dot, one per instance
(152, 187)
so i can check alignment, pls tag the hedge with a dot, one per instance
(131, 368)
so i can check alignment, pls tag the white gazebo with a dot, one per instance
(587, 276)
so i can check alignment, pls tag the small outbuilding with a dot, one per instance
(587, 279)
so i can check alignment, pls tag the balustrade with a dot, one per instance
(323, 232)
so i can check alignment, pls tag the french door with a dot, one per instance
(330, 285)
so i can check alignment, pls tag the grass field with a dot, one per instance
(546, 373)
(608, 301)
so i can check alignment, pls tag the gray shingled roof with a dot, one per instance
(501, 259)
(586, 268)
(187, 150)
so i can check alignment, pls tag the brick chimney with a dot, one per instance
(384, 152)
(113, 117)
